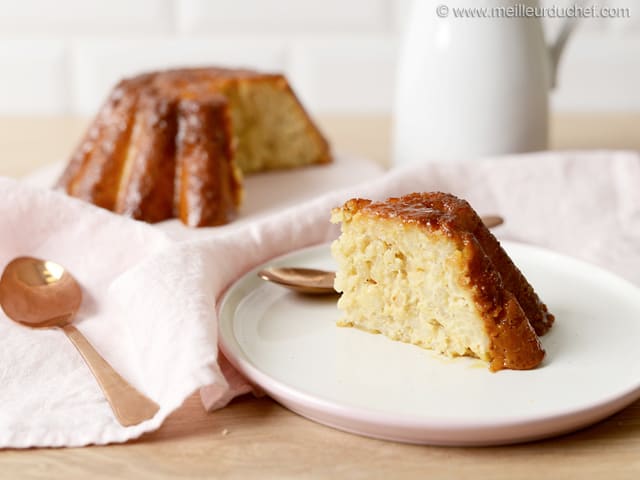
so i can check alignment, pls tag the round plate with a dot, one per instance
(355, 381)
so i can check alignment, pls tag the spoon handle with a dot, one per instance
(129, 405)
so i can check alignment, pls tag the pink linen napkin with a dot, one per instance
(149, 304)
(585, 204)
(145, 309)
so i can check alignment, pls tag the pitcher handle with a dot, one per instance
(557, 48)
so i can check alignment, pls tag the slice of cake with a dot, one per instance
(424, 269)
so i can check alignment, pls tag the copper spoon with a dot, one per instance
(320, 282)
(42, 294)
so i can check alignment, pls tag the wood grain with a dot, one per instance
(256, 438)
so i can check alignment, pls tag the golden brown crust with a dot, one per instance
(514, 315)
(208, 191)
(94, 171)
(124, 91)
(146, 189)
(130, 175)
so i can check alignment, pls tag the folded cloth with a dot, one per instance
(145, 309)
(150, 308)
(148, 304)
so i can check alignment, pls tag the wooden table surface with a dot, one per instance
(256, 438)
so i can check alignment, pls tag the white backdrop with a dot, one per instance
(62, 56)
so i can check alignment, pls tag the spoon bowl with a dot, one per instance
(38, 293)
(42, 294)
(302, 280)
(491, 221)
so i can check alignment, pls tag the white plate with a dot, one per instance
(290, 346)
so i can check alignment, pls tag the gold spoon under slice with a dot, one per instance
(42, 294)
(302, 280)
(320, 282)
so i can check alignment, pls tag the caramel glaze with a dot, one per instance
(514, 315)
(93, 172)
(130, 160)
(146, 189)
(207, 192)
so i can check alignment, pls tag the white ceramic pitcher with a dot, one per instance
(470, 87)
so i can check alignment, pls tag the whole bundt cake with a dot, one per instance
(175, 143)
